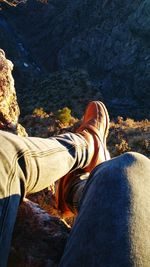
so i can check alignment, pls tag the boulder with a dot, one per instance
(9, 109)
(38, 239)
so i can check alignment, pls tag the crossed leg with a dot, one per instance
(30, 164)
(113, 224)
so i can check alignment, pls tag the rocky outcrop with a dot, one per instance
(38, 239)
(9, 109)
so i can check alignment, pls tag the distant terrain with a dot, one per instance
(107, 40)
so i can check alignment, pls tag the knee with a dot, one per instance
(124, 161)
(135, 157)
(135, 162)
(129, 166)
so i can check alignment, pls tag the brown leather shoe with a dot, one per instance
(94, 128)
(95, 125)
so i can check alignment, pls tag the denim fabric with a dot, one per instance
(112, 228)
(8, 212)
(28, 165)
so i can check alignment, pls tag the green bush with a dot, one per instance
(64, 115)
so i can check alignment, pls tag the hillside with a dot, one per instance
(107, 39)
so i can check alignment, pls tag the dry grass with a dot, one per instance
(127, 135)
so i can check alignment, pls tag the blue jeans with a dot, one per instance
(112, 228)
(28, 165)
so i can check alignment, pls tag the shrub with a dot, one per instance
(129, 122)
(64, 115)
(122, 147)
(39, 112)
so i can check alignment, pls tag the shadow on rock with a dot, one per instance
(38, 239)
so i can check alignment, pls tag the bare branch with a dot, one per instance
(13, 3)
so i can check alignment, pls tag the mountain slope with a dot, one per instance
(108, 39)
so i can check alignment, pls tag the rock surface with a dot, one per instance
(9, 109)
(38, 239)
(108, 39)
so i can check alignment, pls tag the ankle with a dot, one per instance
(75, 192)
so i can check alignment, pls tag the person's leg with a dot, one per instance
(112, 227)
(28, 165)
(39, 162)
(43, 161)
(31, 164)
